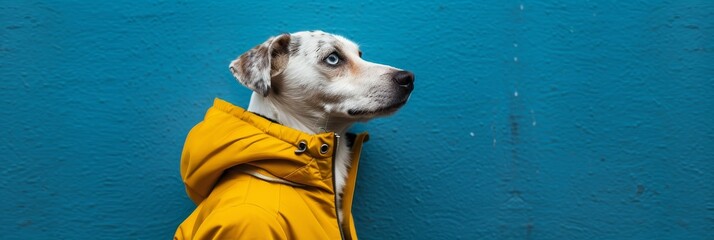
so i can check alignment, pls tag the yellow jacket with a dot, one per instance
(249, 182)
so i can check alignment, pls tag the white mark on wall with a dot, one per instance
(493, 135)
(533, 120)
(472, 134)
(521, 6)
(515, 45)
(515, 94)
(515, 59)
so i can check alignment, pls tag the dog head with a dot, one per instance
(317, 74)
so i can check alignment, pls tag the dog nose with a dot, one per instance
(404, 79)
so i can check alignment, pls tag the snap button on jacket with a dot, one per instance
(255, 179)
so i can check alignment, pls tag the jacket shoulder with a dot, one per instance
(246, 221)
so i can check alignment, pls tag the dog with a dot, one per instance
(255, 179)
(316, 82)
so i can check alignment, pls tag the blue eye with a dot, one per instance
(333, 59)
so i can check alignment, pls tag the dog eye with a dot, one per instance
(333, 59)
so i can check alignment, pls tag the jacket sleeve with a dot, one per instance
(240, 222)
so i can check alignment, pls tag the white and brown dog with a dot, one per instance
(318, 82)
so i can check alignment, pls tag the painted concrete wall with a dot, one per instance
(530, 120)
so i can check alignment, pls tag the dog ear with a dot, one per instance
(255, 68)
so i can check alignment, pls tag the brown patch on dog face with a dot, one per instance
(354, 67)
(333, 72)
(277, 84)
(346, 65)
(321, 98)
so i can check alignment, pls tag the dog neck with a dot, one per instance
(287, 115)
(305, 121)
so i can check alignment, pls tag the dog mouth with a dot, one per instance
(381, 110)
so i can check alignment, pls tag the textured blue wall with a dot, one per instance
(531, 119)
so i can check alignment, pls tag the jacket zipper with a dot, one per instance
(334, 183)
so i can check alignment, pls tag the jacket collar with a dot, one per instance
(230, 136)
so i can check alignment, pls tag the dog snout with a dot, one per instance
(405, 79)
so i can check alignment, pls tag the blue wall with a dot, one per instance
(530, 120)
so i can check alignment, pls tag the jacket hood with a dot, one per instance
(230, 136)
